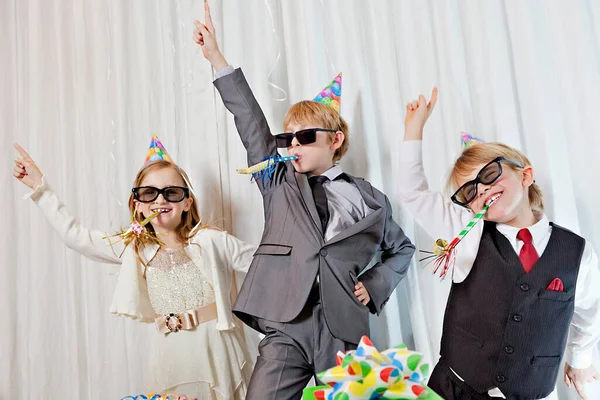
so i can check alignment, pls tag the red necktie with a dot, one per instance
(528, 254)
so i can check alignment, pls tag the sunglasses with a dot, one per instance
(172, 194)
(305, 136)
(486, 176)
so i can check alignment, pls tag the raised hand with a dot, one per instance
(25, 169)
(205, 36)
(417, 114)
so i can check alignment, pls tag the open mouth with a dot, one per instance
(493, 199)
(162, 210)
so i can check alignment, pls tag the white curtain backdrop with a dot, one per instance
(84, 84)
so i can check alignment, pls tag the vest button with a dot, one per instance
(501, 378)
(524, 287)
(517, 318)
(323, 252)
(509, 349)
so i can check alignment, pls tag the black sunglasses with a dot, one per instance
(172, 194)
(305, 136)
(487, 175)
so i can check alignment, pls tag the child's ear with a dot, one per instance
(188, 204)
(137, 209)
(338, 140)
(528, 176)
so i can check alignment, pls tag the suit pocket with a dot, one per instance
(545, 361)
(274, 249)
(468, 336)
(556, 295)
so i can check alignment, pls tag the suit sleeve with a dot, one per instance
(251, 125)
(397, 251)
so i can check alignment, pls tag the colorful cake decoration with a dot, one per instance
(366, 373)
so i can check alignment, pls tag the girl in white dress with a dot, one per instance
(181, 278)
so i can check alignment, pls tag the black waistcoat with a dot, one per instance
(502, 328)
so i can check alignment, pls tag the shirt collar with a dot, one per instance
(538, 231)
(332, 172)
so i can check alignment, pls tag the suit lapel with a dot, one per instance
(309, 201)
(366, 191)
(357, 227)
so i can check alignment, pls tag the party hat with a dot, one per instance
(468, 140)
(331, 95)
(157, 151)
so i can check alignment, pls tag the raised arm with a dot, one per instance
(238, 98)
(438, 216)
(87, 242)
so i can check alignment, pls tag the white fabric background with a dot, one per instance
(84, 84)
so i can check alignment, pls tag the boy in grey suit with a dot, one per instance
(307, 289)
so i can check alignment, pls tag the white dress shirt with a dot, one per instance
(442, 219)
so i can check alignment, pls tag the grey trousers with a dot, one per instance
(292, 353)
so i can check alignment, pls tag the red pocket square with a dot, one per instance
(556, 285)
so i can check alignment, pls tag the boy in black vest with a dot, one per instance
(521, 285)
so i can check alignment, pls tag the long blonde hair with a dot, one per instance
(190, 223)
(482, 153)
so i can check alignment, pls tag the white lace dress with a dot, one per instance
(202, 362)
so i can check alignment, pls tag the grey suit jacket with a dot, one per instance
(292, 249)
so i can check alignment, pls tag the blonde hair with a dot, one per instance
(312, 112)
(482, 153)
(190, 223)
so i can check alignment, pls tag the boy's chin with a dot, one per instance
(499, 215)
(299, 169)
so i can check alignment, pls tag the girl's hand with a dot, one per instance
(417, 114)
(25, 169)
(205, 36)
